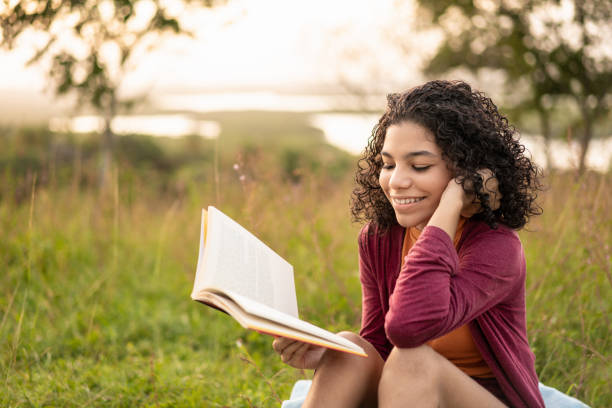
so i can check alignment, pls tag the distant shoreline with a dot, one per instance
(18, 107)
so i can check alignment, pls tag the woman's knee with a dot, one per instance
(416, 366)
(346, 377)
(354, 337)
(419, 361)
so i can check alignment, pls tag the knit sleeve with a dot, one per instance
(439, 290)
(372, 314)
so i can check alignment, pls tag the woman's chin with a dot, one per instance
(408, 221)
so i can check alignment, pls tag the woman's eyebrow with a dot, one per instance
(411, 154)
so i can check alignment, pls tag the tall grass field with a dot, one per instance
(95, 281)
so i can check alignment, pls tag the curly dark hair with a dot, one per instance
(472, 135)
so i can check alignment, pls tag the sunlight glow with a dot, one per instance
(245, 44)
(154, 125)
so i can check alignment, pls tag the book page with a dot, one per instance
(199, 278)
(233, 259)
(277, 328)
(268, 313)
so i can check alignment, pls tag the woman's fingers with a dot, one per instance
(289, 351)
(296, 357)
(306, 356)
(296, 353)
(286, 348)
(280, 343)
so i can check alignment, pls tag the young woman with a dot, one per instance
(443, 319)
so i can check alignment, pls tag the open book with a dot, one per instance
(240, 275)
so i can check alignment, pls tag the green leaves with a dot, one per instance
(84, 66)
(556, 48)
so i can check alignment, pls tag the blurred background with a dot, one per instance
(120, 120)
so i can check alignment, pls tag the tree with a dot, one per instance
(90, 44)
(556, 47)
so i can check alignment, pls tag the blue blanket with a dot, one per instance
(552, 397)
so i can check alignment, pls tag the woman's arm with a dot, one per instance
(439, 290)
(372, 313)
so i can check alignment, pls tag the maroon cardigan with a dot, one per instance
(440, 288)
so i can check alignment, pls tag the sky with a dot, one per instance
(248, 45)
(252, 45)
(245, 46)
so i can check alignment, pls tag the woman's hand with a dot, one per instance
(490, 185)
(455, 202)
(297, 354)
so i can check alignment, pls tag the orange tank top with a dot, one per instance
(458, 345)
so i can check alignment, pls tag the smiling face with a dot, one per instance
(413, 175)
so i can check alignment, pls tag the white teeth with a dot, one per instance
(407, 200)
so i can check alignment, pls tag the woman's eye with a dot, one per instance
(421, 168)
(387, 166)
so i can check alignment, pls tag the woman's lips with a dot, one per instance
(405, 202)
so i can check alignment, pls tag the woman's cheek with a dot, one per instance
(383, 181)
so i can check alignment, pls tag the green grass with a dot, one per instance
(94, 289)
(569, 287)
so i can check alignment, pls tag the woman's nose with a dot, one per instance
(400, 179)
